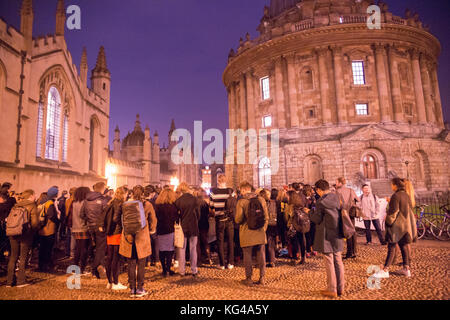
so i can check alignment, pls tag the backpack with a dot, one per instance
(18, 221)
(42, 209)
(133, 217)
(255, 218)
(272, 213)
(300, 220)
(230, 207)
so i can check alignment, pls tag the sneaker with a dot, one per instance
(247, 282)
(368, 243)
(230, 267)
(133, 293)
(175, 264)
(405, 272)
(9, 286)
(222, 267)
(328, 294)
(261, 282)
(314, 253)
(195, 275)
(85, 273)
(101, 272)
(109, 286)
(119, 286)
(308, 255)
(381, 274)
(141, 293)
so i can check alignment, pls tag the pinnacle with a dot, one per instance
(101, 61)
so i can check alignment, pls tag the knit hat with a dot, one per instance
(52, 192)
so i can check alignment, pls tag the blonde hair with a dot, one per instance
(167, 196)
(183, 187)
(120, 194)
(409, 188)
(282, 195)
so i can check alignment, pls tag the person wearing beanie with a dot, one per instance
(47, 234)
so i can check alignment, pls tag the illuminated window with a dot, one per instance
(267, 121)
(358, 73)
(265, 88)
(53, 124)
(362, 109)
(65, 137)
(39, 130)
(341, 20)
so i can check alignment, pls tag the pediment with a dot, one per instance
(372, 132)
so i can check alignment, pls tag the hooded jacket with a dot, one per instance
(93, 210)
(326, 216)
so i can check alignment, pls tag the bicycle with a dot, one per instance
(441, 230)
(421, 227)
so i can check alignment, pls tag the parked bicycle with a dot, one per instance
(437, 225)
(441, 229)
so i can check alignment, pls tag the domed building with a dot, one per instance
(348, 100)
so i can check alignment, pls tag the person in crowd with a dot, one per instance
(70, 240)
(80, 229)
(282, 202)
(47, 234)
(189, 209)
(230, 207)
(296, 204)
(370, 214)
(329, 238)
(272, 229)
(251, 239)
(150, 195)
(224, 223)
(167, 216)
(349, 199)
(108, 194)
(113, 235)
(93, 212)
(401, 228)
(308, 192)
(203, 226)
(21, 244)
(136, 248)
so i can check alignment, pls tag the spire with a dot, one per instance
(26, 19)
(172, 127)
(137, 126)
(117, 128)
(60, 18)
(101, 62)
(84, 66)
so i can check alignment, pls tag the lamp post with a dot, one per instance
(407, 169)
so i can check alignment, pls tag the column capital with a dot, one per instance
(414, 53)
(380, 48)
(336, 49)
(291, 56)
(321, 51)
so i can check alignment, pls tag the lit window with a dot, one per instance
(265, 173)
(362, 109)
(267, 121)
(53, 124)
(341, 20)
(65, 137)
(39, 130)
(358, 72)
(265, 88)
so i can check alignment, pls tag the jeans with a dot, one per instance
(282, 229)
(335, 272)
(223, 227)
(46, 244)
(376, 224)
(113, 264)
(192, 255)
(100, 249)
(392, 252)
(310, 237)
(352, 242)
(81, 253)
(203, 245)
(140, 273)
(19, 247)
(155, 250)
(271, 244)
(299, 240)
(237, 245)
(260, 258)
(166, 260)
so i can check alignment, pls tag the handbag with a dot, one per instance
(348, 229)
(178, 236)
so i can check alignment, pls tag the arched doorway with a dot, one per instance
(370, 166)
(265, 173)
(312, 169)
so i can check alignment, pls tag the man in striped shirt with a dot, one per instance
(218, 199)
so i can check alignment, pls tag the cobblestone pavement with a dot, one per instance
(430, 280)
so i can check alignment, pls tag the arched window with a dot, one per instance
(93, 145)
(65, 139)
(312, 169)
(53, 124)
(306, 78)
(265, 173)
(370, 167)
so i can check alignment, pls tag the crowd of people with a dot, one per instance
(143, 226)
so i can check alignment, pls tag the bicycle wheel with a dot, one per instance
(439, 231)
(421, 229)
(448, 230)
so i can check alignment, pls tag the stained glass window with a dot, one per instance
(53, 124)
(40, 124)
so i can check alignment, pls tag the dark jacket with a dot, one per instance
(114, 208)
(203, 224)
(189, 208)
(400, 220)
(167, 215)
(93, 210)
(328, 222)
(5, 208)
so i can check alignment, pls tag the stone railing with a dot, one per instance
(398, 20)
(304, 25)
(354, 18)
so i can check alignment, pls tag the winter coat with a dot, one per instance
(189, 208)
(114, 208)
(31, 207)
(142, 239)
(329, 233)
(370, 207)
(400, 219)
(247, 237)
(52, 219)
(78, 224)
(348, 196)
(93, 210)
(167, 215)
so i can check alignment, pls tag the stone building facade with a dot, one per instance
(54, 127)
(348, 100)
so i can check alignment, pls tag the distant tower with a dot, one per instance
(101, 77)
(172, 144)
(26, 22)
(156, 164)
(84, 68)
(116, 151)
(147, 156)
(60, 18)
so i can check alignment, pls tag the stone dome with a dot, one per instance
(135, 138)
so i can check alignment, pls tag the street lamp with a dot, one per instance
(407, 169)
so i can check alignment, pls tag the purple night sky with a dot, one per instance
(167, 56)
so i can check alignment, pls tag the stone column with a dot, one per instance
(231, 107)
(418, 88)
(382, 83)
(341, 107)
(324, 86)
(395, 87)
(279, 94)
(429, 105)
(250, 100)
(293, 90)
(436, 95)
(243, 103)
